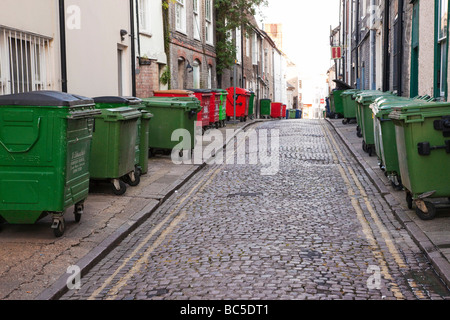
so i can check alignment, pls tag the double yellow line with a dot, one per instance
(367, 230)
(176, 218)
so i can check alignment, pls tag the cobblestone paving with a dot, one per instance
(316, 230)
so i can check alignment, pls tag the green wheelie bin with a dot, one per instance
(265, 106)
(292, 114)
(223, 106)
(143, 124)
(171, 114)
(423, 142)
(113, 155)
(45, 139)
(251, 106)
(385, 138)
(364, 99)
(349, 105)
(336, 105)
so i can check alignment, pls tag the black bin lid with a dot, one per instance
(118, 100)
(341, 85)
(200, 90)
(44, 98)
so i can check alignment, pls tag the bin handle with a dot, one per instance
(420, 119)
(31, 146)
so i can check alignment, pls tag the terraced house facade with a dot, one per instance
(130, 48)
(397, 45)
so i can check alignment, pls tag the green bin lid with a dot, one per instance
(221, 91)
(369, 96)
(418, 110)
(187, 103)
(126, 101)
(121, 113)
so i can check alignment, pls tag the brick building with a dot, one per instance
(192, 44)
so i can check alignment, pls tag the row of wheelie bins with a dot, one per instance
(411, 139)
(54, 145)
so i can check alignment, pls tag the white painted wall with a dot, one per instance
(92, 49)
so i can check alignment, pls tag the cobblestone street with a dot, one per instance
(318, 229)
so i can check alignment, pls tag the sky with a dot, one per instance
(306, 31)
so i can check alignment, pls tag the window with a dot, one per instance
(209, 76)
(196, 27)
(443, 10)
(441, 49)
(255, 49)
(238, 45)
(24, 62)
(196, 66)
(208, 21)
(247, 46)
(144, 16)
(180, 15)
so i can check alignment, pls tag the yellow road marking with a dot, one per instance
(138, 264)
(360, 215)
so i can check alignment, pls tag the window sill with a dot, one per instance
(146, 34)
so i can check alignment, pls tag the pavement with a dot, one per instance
(37, 266)
(433, 237)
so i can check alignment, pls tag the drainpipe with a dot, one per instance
(62, 39)
(242, 56)
(133, 51)
(357, 18)
(386, 46)
(400, 40)
(372, 46)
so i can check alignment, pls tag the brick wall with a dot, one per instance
(184, 46)
(147, 79)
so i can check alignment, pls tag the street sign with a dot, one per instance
(336, 53)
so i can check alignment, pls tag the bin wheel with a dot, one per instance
(61, 228)
(79, 209)
(344, 121)
(122, 187)
(359, 134)
(224, 123)
(128, 179)
(151, 152)
(430, 214)
(364, 146)
(409, 200)
(370, 150)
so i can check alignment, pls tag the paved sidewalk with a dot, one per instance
(433, 237)
(35, 263)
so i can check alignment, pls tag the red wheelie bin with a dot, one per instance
(276, 110)
(173, 93)
(204, 96)
(214, 109)
(242, 103)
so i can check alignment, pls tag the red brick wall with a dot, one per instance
(147, 80)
